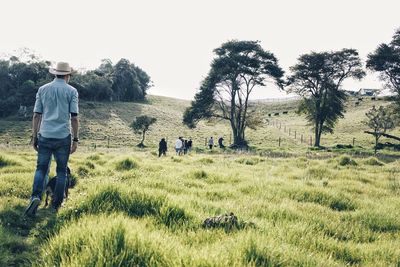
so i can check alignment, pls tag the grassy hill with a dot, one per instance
(107, 124)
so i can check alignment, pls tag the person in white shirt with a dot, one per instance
(178, 146)
(211, 142)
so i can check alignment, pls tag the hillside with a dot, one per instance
(104, 124)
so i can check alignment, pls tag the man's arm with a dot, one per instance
(75, 127)
(37, 118)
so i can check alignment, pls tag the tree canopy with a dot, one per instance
(380, 120)
(386, 61)
(317, 78)
(141, 125)
(20, 80)
(238, 68)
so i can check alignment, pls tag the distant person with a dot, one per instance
(211, 142)
(220, 142)
(178, 146)
(55, 112)
(185, 147)
(162, 147)
(189, 145)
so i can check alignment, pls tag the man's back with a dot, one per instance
(178, 143)
(56, 101)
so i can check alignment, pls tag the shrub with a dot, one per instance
(346, 161)
(200, 174)
(126, 165)
(82, 171)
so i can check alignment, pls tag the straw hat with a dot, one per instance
(62, 68)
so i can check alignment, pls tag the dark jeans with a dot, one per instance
(162, 152)
(60, 148)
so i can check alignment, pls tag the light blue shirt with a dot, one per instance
(56, 101)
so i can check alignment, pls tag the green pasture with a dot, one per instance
(131, 208)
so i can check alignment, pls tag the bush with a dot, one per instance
(82, 171)
(201, 174)
(126, 165)
(346, 161)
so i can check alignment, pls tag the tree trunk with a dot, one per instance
(317, 135)
(144, 133)
(238, 138)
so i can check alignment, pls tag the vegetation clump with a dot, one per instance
(126, 165)
(6, 162)
(346, 161)
(334, 202)
(373, 162)
(200, 174)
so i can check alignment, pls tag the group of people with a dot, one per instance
(55, 134)
(220, 142)
(182, 146)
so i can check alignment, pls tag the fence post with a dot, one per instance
(310, 140)
(205, 141)
(108, 141)
(301, 139)
(279, 141)
(354, 141)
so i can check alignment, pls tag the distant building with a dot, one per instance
(368, 92)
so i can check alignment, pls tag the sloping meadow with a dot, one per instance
(135, 209)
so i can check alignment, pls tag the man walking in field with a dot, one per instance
(55, 111)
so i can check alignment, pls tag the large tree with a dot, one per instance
(386, 61)
(317, 78)
(238, 68)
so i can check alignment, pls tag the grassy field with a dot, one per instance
(131, 208)
(296, 206)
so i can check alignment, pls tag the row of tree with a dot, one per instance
(20, 80)
(241, 66)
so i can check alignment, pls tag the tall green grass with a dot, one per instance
(135, 209)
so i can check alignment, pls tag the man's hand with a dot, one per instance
(34, 142)
(74, 146)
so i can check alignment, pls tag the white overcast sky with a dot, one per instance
(173, 40)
